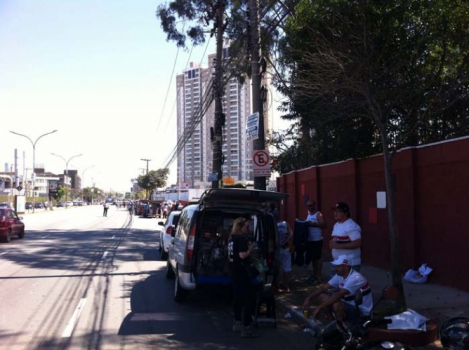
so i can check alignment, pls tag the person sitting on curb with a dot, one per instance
(342, 303)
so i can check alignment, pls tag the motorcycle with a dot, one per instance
(339, 335)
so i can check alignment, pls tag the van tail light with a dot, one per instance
(169, 230)
(191, 242)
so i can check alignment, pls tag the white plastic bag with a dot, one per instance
(408, 320)
(419, 276)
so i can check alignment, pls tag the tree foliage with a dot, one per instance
(61, 191)
(369, 75)
(152, 180)
(356, 69)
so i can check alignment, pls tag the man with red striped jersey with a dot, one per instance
(348, 282)
(346, 236)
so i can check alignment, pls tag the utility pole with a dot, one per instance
(219, 122)
(257, 103)
(146, 160)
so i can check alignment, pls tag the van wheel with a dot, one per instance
(21, 235)
(179, 293)
(8, 236)
(169, 270)
(164, 255)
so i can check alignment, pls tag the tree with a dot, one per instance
(153, 179)
(61, 191)
(391, 69)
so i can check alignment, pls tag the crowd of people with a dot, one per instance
(335, 294)
(303, 246)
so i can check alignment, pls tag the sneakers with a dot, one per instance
(247, 332)
(237, 326)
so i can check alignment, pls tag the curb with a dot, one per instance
(297, 316)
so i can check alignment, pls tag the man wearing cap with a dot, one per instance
(348, 282)
(346, 236)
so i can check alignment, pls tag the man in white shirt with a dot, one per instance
(342, 302)
(346, 236)
(313, 254)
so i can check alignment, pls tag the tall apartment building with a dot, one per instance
(195, 160)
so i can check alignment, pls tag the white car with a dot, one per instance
(165, 232)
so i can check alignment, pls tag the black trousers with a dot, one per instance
(244, 298)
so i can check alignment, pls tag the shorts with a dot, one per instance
(285, 259)
(352, 315)
(315, 249)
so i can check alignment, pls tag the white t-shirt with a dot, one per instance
(353, 282)
(283, 233)
(314, 233)
(345, 232)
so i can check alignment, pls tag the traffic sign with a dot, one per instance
(261, 163)
(213, 177)
(252, 127)
(19, 188)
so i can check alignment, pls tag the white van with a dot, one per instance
(198, 253)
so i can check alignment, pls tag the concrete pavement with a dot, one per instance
(436, 302)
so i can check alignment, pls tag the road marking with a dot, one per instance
(73, 321)
(104, 255)
(45, 237)
(113, 237)
(3, 253)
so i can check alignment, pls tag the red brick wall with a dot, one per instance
(432, 191)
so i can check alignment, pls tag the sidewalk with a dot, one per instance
(433, 301)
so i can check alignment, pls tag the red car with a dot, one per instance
(10, 225)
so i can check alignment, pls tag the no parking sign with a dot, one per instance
(261, 163)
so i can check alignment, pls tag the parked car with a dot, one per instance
(165, 233)
(198, 254)
(10, 224)
(60, 204)
(39, 205)
(28, 205)
(5, 205)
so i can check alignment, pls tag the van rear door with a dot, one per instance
(239, 198)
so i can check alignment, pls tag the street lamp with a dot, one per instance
(34, 159)
(66, 174)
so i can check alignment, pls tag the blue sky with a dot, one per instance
(98, 72)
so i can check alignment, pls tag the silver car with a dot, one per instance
(166, 230)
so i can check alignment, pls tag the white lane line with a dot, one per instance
(113, 237)
(73, 321)
(104, 255)
(3, 253)
(45, 237)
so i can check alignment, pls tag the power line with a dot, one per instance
(169, 85)
(203, 107)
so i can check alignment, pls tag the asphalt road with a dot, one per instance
(79, 280)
